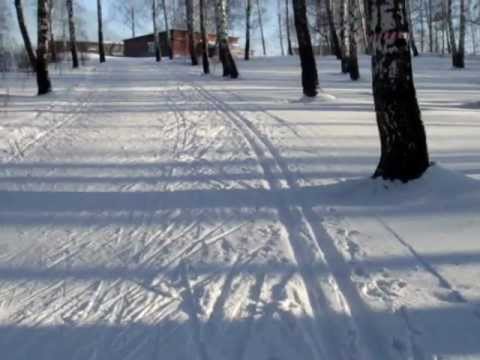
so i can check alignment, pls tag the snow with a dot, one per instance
(148, 211)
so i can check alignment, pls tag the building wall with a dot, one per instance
(143, 46)
(138, 47)
(111, 49)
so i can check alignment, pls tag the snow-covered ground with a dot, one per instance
(150, 212)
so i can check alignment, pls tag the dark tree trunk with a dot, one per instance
(25, 35)
(43, 78)
(191, 35)
(203, 30)
(260, 23)
(229, 66)
(158, 54)
(343, 37)
(459, 57)
(352, 41)
(287, 23)
(73, 39)
(307, 58)
(248, 13)
(167, 30)
(404, 154)
(101, 45)
(333, 33)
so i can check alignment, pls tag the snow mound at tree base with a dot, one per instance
(438, 186)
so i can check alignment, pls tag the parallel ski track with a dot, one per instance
(336, 341)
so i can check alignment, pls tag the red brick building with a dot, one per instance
(144, 46)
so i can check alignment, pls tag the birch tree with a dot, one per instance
(352, 40)
(343, 37)
(167, 29)
(280, 27)
(335, 43)
(25, 35)
(229, 66)
(53, 48)
(43, 78)
(5, 38)
(248, 14)
(101, 45)
(287, 23)
(260, 24)
(203, 31)
(404, 153)
(73, 38)
(190, 30)
(127, 11)
(459, 58)
(307, 58)
(158, 55)
(413, 44)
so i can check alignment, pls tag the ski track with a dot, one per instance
(303, 219)
(415, 350)
(166, 247)
(74, 112)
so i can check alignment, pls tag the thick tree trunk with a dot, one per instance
(307, 58)
(158, 54)
(280, 27)
(352, 41)
(343, 37)
(190, 30)
(167, 29)
(73, 39)
(101, 45)
(26, 37)
(229, 66)
(248, 13)
(43, 78)
(336, 50)
(203, 30)
(287, 23)
(260, 23)
(404, 154)
(459, 57)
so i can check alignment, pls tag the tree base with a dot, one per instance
(458, 60)
(353, 69)
(404, 166)
(345, 65)
(228, 62)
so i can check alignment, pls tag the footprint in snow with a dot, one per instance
(384, 289)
